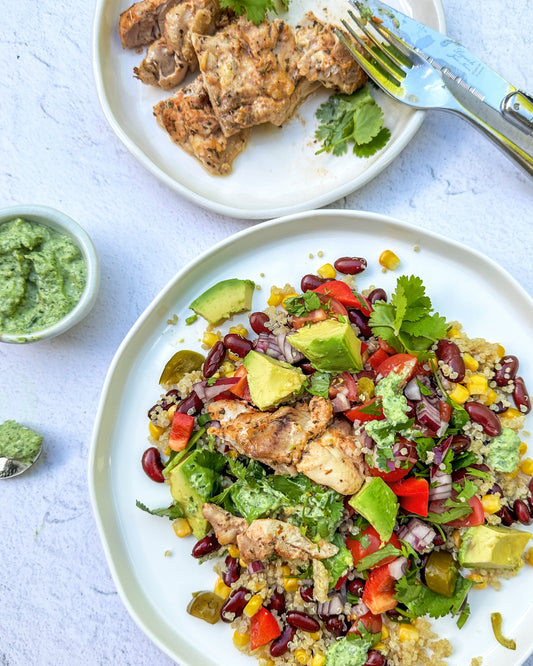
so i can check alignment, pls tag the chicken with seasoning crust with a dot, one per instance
(161, 66)
(264, 537)
(143, 22)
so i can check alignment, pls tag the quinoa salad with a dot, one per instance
(348, 466)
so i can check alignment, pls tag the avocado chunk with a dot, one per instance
(330, 346)
(270, 381)
(192, 483)
(224, 299)
(490, 547)
(378, 504)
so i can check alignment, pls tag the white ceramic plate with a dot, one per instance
(278, 173)
(462, 284)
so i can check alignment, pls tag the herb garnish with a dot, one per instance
(255, 10)
(299, 306)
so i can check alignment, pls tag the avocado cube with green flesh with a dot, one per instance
(330, 346)
(270, 381)
(492, 547)
(224, 299)
(378, 504)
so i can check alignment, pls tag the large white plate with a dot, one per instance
(462, 284)
(278, 173)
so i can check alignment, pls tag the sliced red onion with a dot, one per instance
(206, 392)
(441, 450)
(428, 413)
(440, 486)
(291, 354)
(412, 390)
(340, 402)
(266, 343)
(333, 606)
(418, 534)
(359, 609)
(255, 567)
(398, 567)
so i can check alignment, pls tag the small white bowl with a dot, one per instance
(63, 224)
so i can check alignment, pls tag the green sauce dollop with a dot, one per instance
(18, 442)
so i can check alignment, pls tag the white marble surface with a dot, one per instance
(58, 604)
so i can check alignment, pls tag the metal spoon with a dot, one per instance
(10, 467)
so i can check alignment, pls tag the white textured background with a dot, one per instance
(58, 604)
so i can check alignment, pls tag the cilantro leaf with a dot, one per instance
(299, 306)
(319, 384)
(255, 10)
(420, 600)
(375, 558)
(172, 512)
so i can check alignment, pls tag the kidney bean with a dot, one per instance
(377, 295)
(302, 621)
(361, 322)
(277, 602)
(232, 571)
(356, 587)
(171, 398)
(438, 539)
(191, 402)
(281, 644)
(486, 418)
(460, 443)
(393, 614)
(498, 407)
(336, 625)
(237, 344)
(530, 503)
(234, 605)
(522, 511)
(307, 593)
(506, 516)
(258, 321)
(350, 265)
(496, 488)
(521, 396)
(530, 486)
(375, 658)
(310, 282)
(205, 546)
(448, 352)
(307, 368)
(507, 371)
(459, 475)
(214, 359)
(152, 465)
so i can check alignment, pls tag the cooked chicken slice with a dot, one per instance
(275, 438)
(189, 119)
(161, 67)
(227, 527)
(250, 74)
(332, 460)
(321, 56)
(264, 537)
(198, 16)
(143, 22)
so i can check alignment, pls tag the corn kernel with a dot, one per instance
(315, 635)
(277, 295)
(221, 589)
(232, 453)
(460, 394)
(522, 449)
(227, 369)
(318, 660)
(242, 563)
(181, 527)
(389, 260)
(454, 332)
(167, 450)
(384, 632)
(526, 466)
(171, 411)
(301, 656)
(500, 351)
(155, 431)
(380, 646)
(470, 362)
(407, 632)
(253, 605)
(456, 536)
(512, 475)
(480, 583)
(489, 398)
(233, 550)
(239, 330)
(365, 389)
(511, 413)
(290, 584)
(285, 298)
(327, 272)
(529, 557)
(210, 339)
(491, 503)
(477, 384)
(286, 570)
(240, 640)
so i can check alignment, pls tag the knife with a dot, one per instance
(502, 111)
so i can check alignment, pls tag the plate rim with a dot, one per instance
(93, 474)
(412, 126)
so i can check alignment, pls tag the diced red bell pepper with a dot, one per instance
(181, 431)
(378, 593)
(413, 495)
(263, 628)
(356, 414)
(342, 293)
(377, 358)
(373, 542)
(401, 364)
(241, 388)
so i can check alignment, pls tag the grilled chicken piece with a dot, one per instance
(277, 438)
(161, 67)
(143, 22)
(264, 537)
(321, 56)
(189, 119)
(334, 460)
(250, 75)
(190, 16)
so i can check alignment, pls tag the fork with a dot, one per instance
(404, 74)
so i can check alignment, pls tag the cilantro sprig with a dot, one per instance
(255, 10)
(354, 118)
(299, 306)
(408, 322)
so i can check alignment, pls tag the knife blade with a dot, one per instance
(471, 81)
